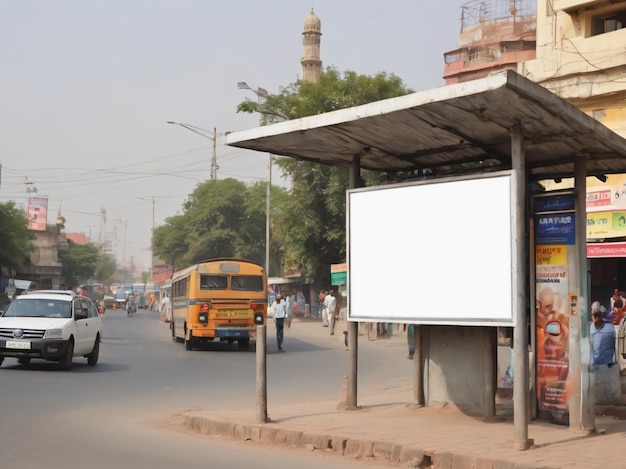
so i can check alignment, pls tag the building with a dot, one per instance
(311, 38)
(44, 269)
(580, 56)
(495, 35)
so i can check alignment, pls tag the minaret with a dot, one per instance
(311, 38)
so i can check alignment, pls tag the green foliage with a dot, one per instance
(105, 267)
(312, 220)
(221, 218)
(80, 262)
(15, 237)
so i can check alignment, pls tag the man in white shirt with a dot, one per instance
(331, 306)
(280, 311)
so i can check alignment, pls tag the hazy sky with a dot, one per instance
(87, 86)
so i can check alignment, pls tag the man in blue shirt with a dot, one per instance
(602, 335)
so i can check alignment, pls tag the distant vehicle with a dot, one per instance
(51, 325)
(121, 295)
(109, 301)
(220, 299)
(95, 292)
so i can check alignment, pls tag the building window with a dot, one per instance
(608, 22)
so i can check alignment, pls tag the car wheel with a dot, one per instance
(92, 358)
(66, 361)
(1, 359)
(23, 360)
(243, 343)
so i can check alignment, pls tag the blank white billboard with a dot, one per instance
(432, 252)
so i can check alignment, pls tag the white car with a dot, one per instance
(51, 325)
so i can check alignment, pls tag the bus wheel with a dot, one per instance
(189, 343)
(243, 343)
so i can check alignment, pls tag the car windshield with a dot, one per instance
(39, 308)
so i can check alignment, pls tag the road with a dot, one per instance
(123, 412)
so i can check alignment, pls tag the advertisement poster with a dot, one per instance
(552, 306)
(37, 213)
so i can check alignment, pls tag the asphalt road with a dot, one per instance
(123, 412)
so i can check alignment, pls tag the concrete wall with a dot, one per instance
(455, 366)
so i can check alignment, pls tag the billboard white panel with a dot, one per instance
(432, 252)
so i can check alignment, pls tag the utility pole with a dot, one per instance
(261, 94)
(214, 166)
(204, 133)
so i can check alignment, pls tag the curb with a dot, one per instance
(407, 455)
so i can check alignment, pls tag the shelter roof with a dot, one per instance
(443, 128)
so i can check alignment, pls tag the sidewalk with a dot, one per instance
(387, 427)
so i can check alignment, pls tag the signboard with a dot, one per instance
(339, 274)
(555, 228)
(37, 213)
(415, 249)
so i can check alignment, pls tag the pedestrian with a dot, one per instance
(280, 311)
(322, 298)
(616, 296)
(331, 307)
(602, 336)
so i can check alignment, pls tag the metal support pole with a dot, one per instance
(418, 369)
(261, 374)
(581, 383)
(489, 374)
(267, 219)
(353, 326)
(520, 331)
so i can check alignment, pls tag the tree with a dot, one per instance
(15, 237)
(80, 262)
(221, 218)
(313, 219)
(105, 267)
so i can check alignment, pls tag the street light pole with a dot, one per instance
(261, 94)
(203, 132)
(261, 331)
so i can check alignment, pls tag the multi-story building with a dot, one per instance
(495, 35)
(581, 56)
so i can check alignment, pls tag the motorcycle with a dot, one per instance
(131, 307)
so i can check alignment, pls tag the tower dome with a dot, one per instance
(312, 23)
(311, 38)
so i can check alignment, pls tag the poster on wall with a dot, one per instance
(552, 306)
(37, 213)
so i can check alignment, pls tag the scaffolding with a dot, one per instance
(477, 11)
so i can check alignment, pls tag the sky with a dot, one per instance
(87, 88)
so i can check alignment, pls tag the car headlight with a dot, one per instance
(53, 334)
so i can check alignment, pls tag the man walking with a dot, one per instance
(331, 307)
(280, 311)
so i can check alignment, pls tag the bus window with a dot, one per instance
(213, 282)
(247, 282)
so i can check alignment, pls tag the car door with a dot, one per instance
(81, 318)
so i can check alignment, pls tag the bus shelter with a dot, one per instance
(477, 152)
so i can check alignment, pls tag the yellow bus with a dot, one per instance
(218, 299)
